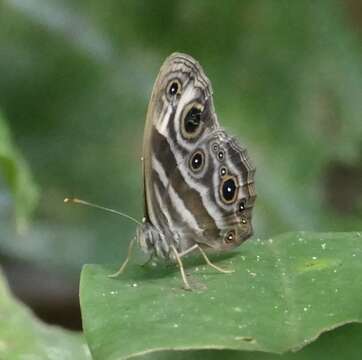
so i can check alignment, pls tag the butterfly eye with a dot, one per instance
(242, 205)
(197, 161)
(173, 88)
(228, 190)
(229, 237)
(223, 171)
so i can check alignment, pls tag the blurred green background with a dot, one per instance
(75, 78)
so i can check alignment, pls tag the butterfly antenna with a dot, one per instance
(86, 203)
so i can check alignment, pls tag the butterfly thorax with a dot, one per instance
(154, 242)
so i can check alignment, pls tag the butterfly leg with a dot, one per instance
(190, 249)
(121, 269)
(184, 278)
(217, 268)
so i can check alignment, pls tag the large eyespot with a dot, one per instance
(192, 120)
(228, 190)
(229, 237)
(197, 161)
(191, 125)
(173, 88)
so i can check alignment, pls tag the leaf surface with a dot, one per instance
(284, 293)
(23, 336)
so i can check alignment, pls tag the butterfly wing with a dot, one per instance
(218, 186)
(182, 142)
(181, 91)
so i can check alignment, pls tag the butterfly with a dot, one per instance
(198, 181)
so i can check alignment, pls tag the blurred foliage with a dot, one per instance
(15, 173)
(75, 78)
(22, 336)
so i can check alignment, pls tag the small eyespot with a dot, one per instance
(244, 221)
(197, 161)
(215, 147)
(229, 237)
(220, 155)
(242, 205)
(223, 171)
(173, 88)
(228, 190)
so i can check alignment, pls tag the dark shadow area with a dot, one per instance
(52, 297)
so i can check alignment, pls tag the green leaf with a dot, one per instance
(16, 173)
(23, 336)
(342, 343)
(285, 292)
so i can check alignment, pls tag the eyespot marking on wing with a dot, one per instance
(223, 171)
(191, 122)
(229, 189)
(197, 161)
(229, 237)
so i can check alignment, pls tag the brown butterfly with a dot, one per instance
(198, 181)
